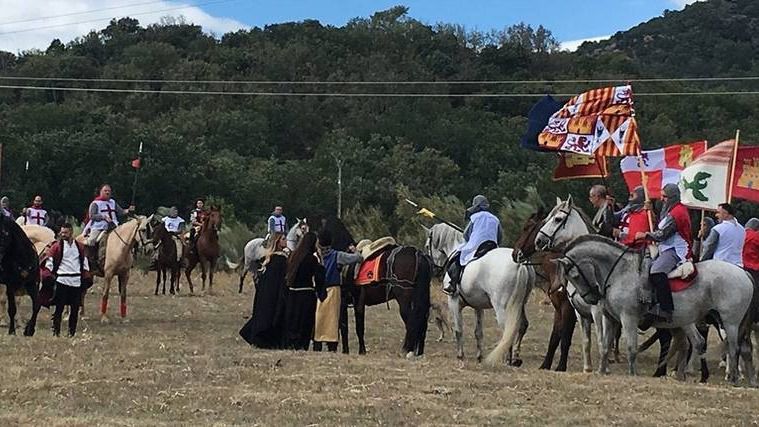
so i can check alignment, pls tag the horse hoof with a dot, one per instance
(104, 319)
(410, 355)
(588, 370)
(11, 332)
(362, 352)
(124, 320)
(28, 332)
(479, 359)
(516, 363)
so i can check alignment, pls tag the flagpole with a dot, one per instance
(644, 181)
(732, 166)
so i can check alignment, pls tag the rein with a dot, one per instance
(563, 224)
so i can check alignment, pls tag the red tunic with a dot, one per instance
(636, 222)
(751, 250)
(680, 214)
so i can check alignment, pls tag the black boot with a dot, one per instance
(454, 275)
(662, 311)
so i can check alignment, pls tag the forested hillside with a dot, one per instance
(257, 151)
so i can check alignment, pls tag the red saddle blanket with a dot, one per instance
(679, 285)
(371, 270)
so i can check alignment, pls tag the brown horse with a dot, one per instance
(564, 317)
(207, 249)
(168, 261)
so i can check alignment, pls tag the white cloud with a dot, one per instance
(682, 3)
(572, 45)
(13, 39)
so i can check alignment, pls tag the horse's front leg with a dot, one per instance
(157, 280)
(455, 307)
(630, 330)
(11, 310)
(123, 280)
(104, 301)
(587, 327)
(203, 274)
(211, 270)
(604, 343)
(478, 335)
(344, 297)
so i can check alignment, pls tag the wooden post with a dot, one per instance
(732, 166)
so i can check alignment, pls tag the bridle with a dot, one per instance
(561, 226)
(601, 288)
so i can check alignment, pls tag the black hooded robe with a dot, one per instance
(265, 327)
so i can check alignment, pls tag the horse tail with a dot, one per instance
(513, 321)
(420, 304)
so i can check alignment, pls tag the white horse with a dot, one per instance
(255, 250)
(606, 271)
(492, 281)
(562, 225)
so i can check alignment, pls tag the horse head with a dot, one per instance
(524, 247)
(563, 224)
(213, 219)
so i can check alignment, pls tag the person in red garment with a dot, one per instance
(634, 219)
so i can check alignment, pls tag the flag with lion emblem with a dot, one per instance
(599, 122)
(704, 184)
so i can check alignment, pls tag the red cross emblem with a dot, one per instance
(37, 219)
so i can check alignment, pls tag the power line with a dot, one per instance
(103, 19)
(370, 83)
(359, 95)
(42, 18)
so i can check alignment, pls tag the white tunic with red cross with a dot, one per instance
(106, 209)
(35, 216)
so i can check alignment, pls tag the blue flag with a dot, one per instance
(537, 120)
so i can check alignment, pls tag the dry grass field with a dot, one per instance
(179, 361)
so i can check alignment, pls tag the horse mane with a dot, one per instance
(341, 237)
(595, 238)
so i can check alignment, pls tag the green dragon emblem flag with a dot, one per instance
(704, 184)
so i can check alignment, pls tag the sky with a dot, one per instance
(32, 24)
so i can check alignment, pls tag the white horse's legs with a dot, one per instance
(731, 337)
(454, 305)
(478, 314)
(604, 343)
(587, 360)
(608, 335)
(630, 330)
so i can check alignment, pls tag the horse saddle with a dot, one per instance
(682, 277)
(484, 248)
(369, 250)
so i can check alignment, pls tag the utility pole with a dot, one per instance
(339, 163)
(1, 163)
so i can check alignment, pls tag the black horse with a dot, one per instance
(406, 279)
(19, 268)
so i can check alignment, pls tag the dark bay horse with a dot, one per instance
(407, 280)
(169, 264)
(207, 249)
(19, 269)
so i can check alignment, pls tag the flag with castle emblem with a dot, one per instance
(746, 177)
(661, 167)
(598, 122)
(704, 184)
(575, 166)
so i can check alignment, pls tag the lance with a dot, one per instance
(429, 214)
(137, 165)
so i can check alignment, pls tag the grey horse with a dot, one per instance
(607, 272)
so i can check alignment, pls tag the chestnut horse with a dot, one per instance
(207, 249)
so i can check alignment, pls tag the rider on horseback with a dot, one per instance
(196, 219)
(481, 234)
(103, 216)
(277, 222)
(674, 238)
(36, 213)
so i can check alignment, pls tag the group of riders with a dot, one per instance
(67, 265)
(631, 225)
